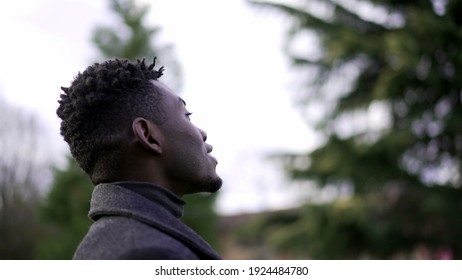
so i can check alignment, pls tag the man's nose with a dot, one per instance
(204, 134)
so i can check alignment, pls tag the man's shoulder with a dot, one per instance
(119, 237)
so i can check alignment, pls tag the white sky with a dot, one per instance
(235, 80)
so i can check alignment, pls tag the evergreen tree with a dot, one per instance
(199, 214)
(65, 212)
(131, 38)
(402, 173)
(67, 206)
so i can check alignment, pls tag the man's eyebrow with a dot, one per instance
(181, 101)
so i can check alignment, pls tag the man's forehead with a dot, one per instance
(159, 84)
(166, 91)
(162, 88)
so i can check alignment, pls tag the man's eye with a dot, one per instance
(188, 115)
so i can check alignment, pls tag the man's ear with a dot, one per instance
(147, 134)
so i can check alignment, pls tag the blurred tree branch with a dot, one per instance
(24, 172)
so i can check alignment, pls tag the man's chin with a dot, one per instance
(213, 185)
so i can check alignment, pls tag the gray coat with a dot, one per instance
(139, 221)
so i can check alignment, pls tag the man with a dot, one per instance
(133, 137)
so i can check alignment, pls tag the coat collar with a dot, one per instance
(149, 204)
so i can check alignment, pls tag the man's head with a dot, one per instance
(122, 124)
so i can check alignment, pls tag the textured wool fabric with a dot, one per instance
(135, 220)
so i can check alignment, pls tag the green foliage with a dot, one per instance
(23, 171)
(65, 213)
(402, 56)
(199, 214)
(375, 226)
(19, 227)
(131, 38)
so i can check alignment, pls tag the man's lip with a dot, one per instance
(209, 148)
(214, 158)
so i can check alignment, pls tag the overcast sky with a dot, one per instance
(236, 80)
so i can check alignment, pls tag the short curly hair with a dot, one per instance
(99, 105)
